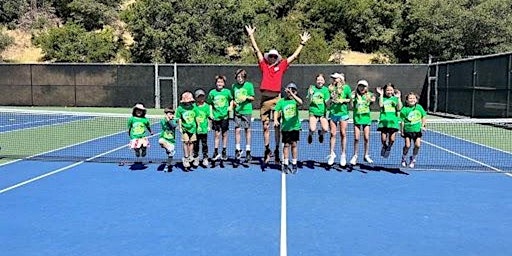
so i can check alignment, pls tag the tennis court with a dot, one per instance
(63, 192)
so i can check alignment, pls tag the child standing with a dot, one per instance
(203, 122)
(390, 103)
(167, 138)
(288, 109)
(138, 124)
(186, 115)
(341, 95)
(220, 100)
(413, 123)
(318, 95)
(362, 99)
(243, 96)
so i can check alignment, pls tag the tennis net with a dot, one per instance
(448, 144)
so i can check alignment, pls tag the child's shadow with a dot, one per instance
(383, 169)
(266, 166)
(138, 167)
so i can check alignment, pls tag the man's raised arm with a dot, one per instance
(303, 40)
(250, 31)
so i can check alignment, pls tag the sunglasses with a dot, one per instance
(272, 56)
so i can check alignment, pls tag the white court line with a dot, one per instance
(46, 125)
(34, 122)
(61, 148)
(468, 158)
(283, 245)
(472, 142)
(58, 170)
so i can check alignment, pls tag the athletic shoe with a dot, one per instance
(195, 161)
(238, 154)
(331, 157)
(277, 158)
(285, 168)
(321, 136)
(412, 163)
(294, 168)
(353, 160)
(383, 150)
(343, 160)
(268, 155)
(216, 156)
(404, 163)
(143, 152)
(310, 139)
(248, 157)
(186, 163)
(205, 161)
(168, 168)
(388, 152)
(368, 159)
(224, 155)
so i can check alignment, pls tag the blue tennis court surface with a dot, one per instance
(72, 207)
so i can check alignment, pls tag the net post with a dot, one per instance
(175, 87)
(157, 87)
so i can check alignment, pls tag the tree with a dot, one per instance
(72, 43)
(5, 41)
(12, 10)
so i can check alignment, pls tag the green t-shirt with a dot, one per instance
(339, 93)
(138, 127)
(289, 114)
(412, 116)
(220, 101)
(240, 94)
(389, 114)
(168, 132)
(362, 113)
(318, 98)
(202, 118)
(187, 115)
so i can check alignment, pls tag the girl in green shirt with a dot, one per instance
(413, 123)
(318, 95)
(186, 113)
(220, 99)
(138, 124)
(341, 95)
(362, 99)
(390, 103)
(167, 138)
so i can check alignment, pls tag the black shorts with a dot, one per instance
(221, 125)
(413, 135)
(387, 130)
(288, 137)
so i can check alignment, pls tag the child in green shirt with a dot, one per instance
(390, 103)
(220, 100)
(413, 123)
(362, 99)
(186, 115)
(203, 121)
(341, 96)
(318, 96)
(138, 124)
(288, 110)
(243, 96)
(167, 138)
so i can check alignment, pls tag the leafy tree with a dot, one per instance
(12, 10)
(5, 41)
(92, 14)
(72, 43)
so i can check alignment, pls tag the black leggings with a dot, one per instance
(203, 139)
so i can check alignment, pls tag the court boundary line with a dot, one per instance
(20, 184)
(468, 158)
(472, 142)
(283, 244)
(40, 121)
(42, 126)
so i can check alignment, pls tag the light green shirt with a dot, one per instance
(187, 115)
(389, 114)
(318, 99)
(339, 93)
(412, 116)
(240, 94)
(202, 118)
(168, 132)
(220, 102)
(289, 114)
(362, 113)
(138, 127)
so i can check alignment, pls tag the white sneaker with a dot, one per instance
(196, 161)
(412, 163)
(343, 160)
(368, 159)
(186, 163)
(404, 163)
(353, 160)
(330, 160)
(205, 161)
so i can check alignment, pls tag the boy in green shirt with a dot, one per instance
(186, 115)
(138, 124)
(288, 110)
(362, 99)
(341, 96)
(390, 103)
(167, 138)
(203, 121)
(243, 96)
(413, 123)
(220, 100)
(318, 95)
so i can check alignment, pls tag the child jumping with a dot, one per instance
(341, 95)
(413, 123)
(288, 109)
(138, 124)
(167, 138)
(186, 115)
(203, 122)
(362, 99)
(390, 104)
(220, 100)
(318, 96)
(243, 96)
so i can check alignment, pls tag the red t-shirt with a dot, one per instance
(272, 76)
